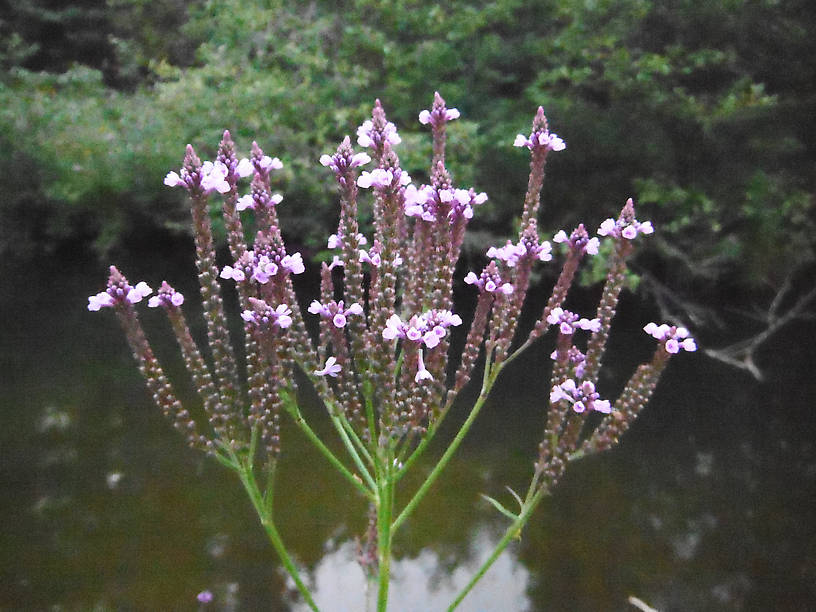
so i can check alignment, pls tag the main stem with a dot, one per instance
(384, 530)
(251, 487)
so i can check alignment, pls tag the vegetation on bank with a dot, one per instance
(709, 106)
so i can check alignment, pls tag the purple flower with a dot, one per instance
(204, 597)
(270, 163)
(166, 297)
(674, 338)
(582, 397)
(262, 316)
(174, 180)
(235, 274)
(540, 139)
(336, 311)
(336, 240)
(368, 136)
(427, 328)
(422, 372)
(332, 368)
(568, 321)
(579, 240)
(101, 300)
(437, 116)
(489, 280)
(341, 163)
(214, 177)
(626, 226)
(383, 178)
(118, 292)
(244, 168)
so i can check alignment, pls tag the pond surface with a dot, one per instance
(709, 503)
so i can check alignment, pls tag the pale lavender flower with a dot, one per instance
(244, 168)
(166, 297)
(101, 300)
(204, 597)
(624, 227)
(489, 280)
(543, 139)
(263, 316)
(367, 136)
(336, 240)
(674, 339)
(235, 274)
(383, 178)
(174, 180)
(422, 372)
(437, 116)
(214, 177)
(568, 321)
(332, 368)
(427, 328)
(579, 240)
(582, 397)
(336, 311)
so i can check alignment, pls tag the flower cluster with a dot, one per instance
(426, 329)
(118, 293)
(379, 360)
(438, 116)
(336, 311)
(582, 396)
(166, 297)
(568, 321)
(540, 139)
(625, 227)
(426, 202)
(671, 337)
(511, 253)
(489, 280)
(262, 316)
(578, 240)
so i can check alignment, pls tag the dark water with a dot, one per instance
(708, 504)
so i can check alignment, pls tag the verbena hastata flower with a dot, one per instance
(381, 364)
(582, 397)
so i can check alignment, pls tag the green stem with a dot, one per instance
(338, 425)
(251, 487)
(315, 439)
(511, 533)
(384, 532)
(487, 384)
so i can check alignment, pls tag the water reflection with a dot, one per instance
(423, 582)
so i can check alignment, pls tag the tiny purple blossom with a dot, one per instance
(674, 339)
(166, 297)
(422, 372)
(336, 311)
(332, 368)
(366, 134)
(137, 293)
(582, 397)
(173, 180)
(214, 177)
(625, 228)
(204, 597)
(244, 168)
(101, 300)
(544, 139)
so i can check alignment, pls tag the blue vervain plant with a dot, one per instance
(381, 362)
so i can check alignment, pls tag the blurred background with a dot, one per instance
(703, 112)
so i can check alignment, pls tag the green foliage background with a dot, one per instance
(702, 111)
